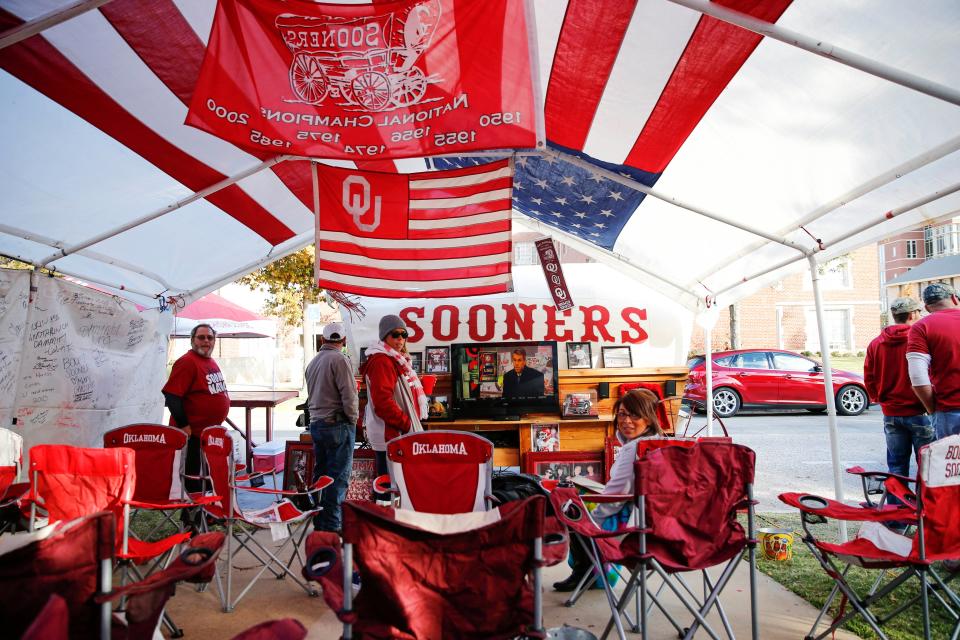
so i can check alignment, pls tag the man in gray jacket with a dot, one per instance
(332, 402)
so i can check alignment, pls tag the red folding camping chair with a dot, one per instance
(282, 517)
(686, 501)
(425, 575)
(440, 471)
(58, 580)
(11, 489)
(932, 506)
(159, 452)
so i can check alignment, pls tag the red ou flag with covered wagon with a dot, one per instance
(387, 80)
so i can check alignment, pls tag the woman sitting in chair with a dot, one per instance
(635, 416)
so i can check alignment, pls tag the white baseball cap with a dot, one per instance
(334, 332)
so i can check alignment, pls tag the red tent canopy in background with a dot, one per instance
(228, 319)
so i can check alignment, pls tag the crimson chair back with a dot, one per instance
(217, 447)
(159, 457)
(939, 487)
(441, 471)
(692, 495)
(71, 482)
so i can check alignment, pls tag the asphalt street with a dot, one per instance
(793, 451)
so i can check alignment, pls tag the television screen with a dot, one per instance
(497, 379)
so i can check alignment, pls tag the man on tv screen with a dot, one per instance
(522, 381)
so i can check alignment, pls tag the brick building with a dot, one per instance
(782, 315)
(913, 259)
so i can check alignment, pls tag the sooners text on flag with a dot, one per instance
(388, 80)
(436, 234)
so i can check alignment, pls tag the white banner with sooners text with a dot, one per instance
(609, 310)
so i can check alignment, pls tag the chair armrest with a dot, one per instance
(895, 486)
(825, 508)
(382, 484)
(606, 498)
(883, 475)
(570, 510)
(322, 483)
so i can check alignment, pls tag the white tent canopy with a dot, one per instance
(795, 143)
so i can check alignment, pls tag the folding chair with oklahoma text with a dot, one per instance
(426, 575)
(283, 518)
(159, 456)
(933, 507)
(686, 502)
(440, 471)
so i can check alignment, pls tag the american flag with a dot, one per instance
(430, 235)
(568, 197)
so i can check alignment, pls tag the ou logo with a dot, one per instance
(357, 202)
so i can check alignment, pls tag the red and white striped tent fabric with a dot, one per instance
(228, 319)
(102, 180)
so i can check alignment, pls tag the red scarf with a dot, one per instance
(408, 374)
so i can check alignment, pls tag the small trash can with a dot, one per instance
(777, 544)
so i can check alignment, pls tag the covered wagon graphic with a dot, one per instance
(368, 62)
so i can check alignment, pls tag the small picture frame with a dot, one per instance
(611, 449)
(565, 465)
(363, 355)
(437, 360)
(416, 361)
(362, 475)
(616, 357)
(579, 355)
(297, 466)
(580, 404)
(545, 437)
(438, 408)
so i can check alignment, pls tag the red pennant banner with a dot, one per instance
(550, 262)
(359, 82)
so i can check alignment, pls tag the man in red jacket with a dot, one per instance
(905, 423)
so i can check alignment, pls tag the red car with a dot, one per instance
(771, 379)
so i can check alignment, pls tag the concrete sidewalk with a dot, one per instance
(782, 615)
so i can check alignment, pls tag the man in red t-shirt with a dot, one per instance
(933, 357)
(196, 395)
(906, 425)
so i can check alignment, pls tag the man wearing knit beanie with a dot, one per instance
(933, 357)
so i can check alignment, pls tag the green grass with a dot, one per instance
(803, 576)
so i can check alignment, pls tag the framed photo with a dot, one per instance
(545, 437)
(611, 450)
(362, 475)
(616, 357)
(565, 465)
(297, 465)
(438, 408)
(363, 355)
(579, 355)
(580, 404)
(416, 361)
(437, 360)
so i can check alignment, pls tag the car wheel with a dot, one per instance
(851, 401)
(726, 402)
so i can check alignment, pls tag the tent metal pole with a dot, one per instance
(918, 162)
(893, 213)
(55, 17)
(103, 283)
(639, 186)
(708, 363)
(828, 390)
(825, 49)
(203, 193)
(611, 259)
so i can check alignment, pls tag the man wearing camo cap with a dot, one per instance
(933, 358)
(906, 425)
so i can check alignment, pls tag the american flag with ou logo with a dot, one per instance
(436, 234)
(568, 197)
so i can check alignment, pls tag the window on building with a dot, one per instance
(911, 248)
(837, 327)
(836, 274)
(928, 242)
(525, 253)
(893, 251)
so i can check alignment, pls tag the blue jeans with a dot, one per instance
(333, 456)
(905, 435)
(946, 423)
